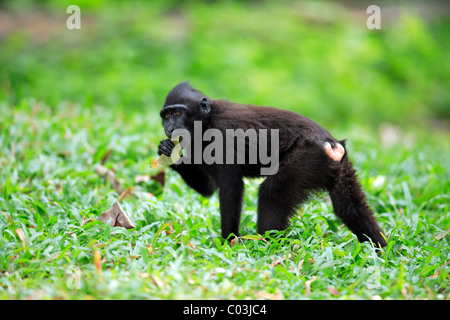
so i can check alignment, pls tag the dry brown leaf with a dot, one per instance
(333, 291)
(442, 235)
(300, 264)
(7, 217)
(98, 261)
(21, 236)
(171, 229)
(141, 178)
(275, 262)
(278, 261)
(404, 293)
(308, 285)
(109, 175)
(118, 217)
(191, 245)
(64, 153)
(106, 156)
(157, 282)
(56, 255)
(86, 221)
(269, 296)
(37, 295)
(149, 248)
(160, 177)
(436, 273)
(144, 195)
(143, 274)
(124, 194)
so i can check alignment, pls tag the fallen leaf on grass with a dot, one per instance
(333, 291)
(163, 227)
(21, 236)
(64, 153)
(278, 261)
(270, 296)
(106, 156)
(300, 264)
(57, 255)
(436, 273)
(84, 222)
(7, 217)
(442, 235)
(159, 177)
(109, 175)
(141, 178)
(37, 295)
(171, 229)
(98, 261)
(157, 282)
(118, 217)
(144, 195)
(124, 194)
(308, 285)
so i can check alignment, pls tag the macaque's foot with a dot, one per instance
(335, 153)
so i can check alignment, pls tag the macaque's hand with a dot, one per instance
(170, 151)
(166, 147)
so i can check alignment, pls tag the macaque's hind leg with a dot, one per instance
(336, 153)
(276, 204)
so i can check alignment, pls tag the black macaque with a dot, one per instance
(309, 159)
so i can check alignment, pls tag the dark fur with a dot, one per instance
(304, 167)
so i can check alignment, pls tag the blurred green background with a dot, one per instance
(73, 99)
(317, 58)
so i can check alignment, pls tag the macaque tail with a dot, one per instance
(350, 205)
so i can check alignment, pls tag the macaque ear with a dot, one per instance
(205, 106)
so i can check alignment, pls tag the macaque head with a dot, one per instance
(182, 107)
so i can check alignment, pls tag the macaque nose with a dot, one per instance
(169, 131)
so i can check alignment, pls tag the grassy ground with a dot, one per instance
(49, 187)
(76, 101)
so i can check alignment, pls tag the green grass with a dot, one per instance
(49, 186)
(72, 99)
